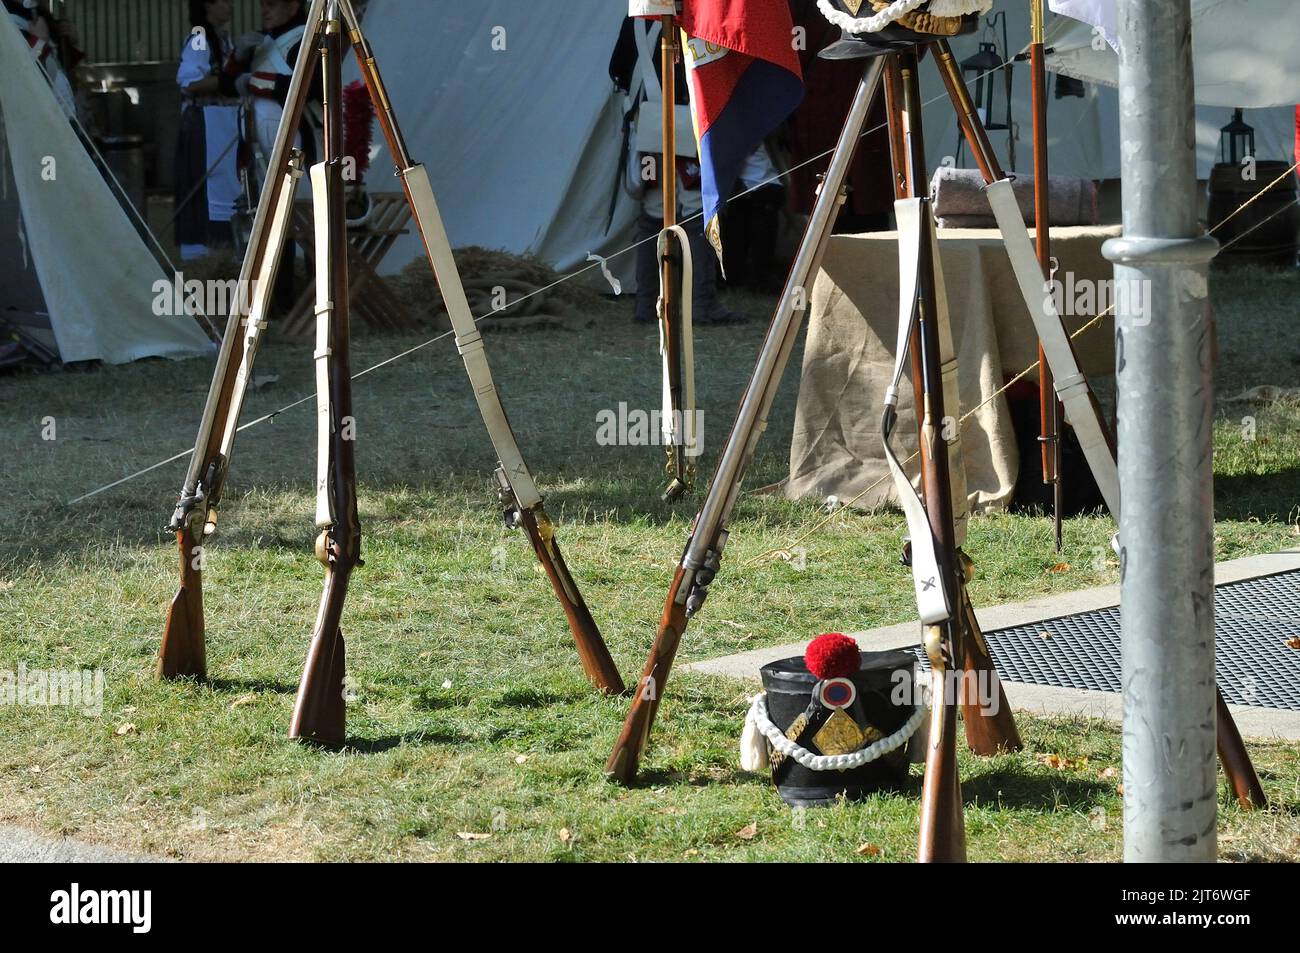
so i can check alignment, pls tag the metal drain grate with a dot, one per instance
(1254, 619)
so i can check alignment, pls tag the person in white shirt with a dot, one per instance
(207, 150)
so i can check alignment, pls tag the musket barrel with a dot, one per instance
(761, 388)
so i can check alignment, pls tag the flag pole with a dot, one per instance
(1164, 339)
(669, 305)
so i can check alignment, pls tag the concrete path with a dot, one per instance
(1044, 699)
(21, 846)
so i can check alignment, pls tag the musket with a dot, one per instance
(1072, 388)
(319, 710)
(989, 722)
(942, 828)
(182, 653)
(518, 493)
(701, 558)
(672, 297)
(1049, 413)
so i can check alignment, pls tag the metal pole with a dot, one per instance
(1165, 403)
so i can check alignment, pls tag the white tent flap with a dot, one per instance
(1244, 51)
(96, 274)
(510, 107)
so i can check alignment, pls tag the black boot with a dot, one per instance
(704, 263)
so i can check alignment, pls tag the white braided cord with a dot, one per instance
(833, 762)
(872, 24)
(897, 10)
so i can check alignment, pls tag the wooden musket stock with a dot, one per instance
(592, 651)
(319, 711)
(183, 653)
(625, 759)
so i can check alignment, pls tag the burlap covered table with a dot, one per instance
(848, 358)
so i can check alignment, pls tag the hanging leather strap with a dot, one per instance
(931, 594)
(1071, 384)
(320, 177)
(678, 429)
(258, 304)
(469, 342)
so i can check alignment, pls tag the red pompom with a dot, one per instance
(833, 655)
(358, 125)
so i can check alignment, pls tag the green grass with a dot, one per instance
(471, 714)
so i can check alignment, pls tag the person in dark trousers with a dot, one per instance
(642, 85)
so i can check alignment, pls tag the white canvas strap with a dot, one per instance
(1071, 385)
(951, 424)
(469, 342)
(678, 429)
(320, 183)
(931, 595)
(256, 305)
(644, 78)
(272, 56)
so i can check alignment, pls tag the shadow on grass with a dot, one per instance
(388, 742)
(623, 493)
(245, 685)
(1265, 497)
(1010, 788)
(662, 778)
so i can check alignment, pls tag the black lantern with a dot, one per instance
(980, 71)
(981, 67)
(1236, 140)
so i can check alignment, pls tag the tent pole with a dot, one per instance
(1165, 404)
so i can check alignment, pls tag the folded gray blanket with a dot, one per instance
(959, 200)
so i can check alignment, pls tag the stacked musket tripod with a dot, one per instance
(319, 710)
(953, 641)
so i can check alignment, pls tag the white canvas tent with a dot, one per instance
(73, 270)
(511, 108)
(1244, 52)
(523, 143)
(1083, 132)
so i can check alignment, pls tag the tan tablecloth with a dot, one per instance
(848, 359)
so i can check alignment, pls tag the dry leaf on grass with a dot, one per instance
(126, 728)
(471, 835)
(1109, 773)
(1060, 567)
(566, 836)
(868, 850)
(244, 700)
(748, 832)
(1060, 762)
